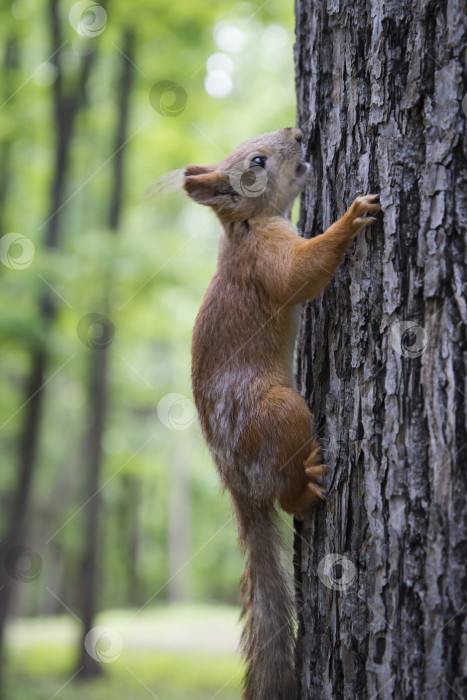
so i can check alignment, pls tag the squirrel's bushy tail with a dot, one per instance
(268, 608)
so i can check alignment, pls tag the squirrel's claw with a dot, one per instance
(316, 471)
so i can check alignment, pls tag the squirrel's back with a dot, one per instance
(241, 350)
(241, 314)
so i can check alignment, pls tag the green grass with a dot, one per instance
(170, 654)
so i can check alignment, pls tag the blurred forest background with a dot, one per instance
(116, 542)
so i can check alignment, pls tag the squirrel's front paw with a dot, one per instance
(360, 209)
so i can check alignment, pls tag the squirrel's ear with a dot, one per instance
(204, 184)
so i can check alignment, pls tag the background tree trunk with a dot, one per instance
(382, 353)
(10, 62)
(179, 528)
(98, 388)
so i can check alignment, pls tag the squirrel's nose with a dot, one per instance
(297, 134)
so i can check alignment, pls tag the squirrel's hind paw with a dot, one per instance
(316, 471)
(310, 496)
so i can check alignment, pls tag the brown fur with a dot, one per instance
(259, 429)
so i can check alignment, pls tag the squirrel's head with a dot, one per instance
(262, 177)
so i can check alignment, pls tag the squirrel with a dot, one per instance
(257, 426)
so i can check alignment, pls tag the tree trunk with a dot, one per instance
(381, 566)
(10, 63)
(179, 526)
(99, 385)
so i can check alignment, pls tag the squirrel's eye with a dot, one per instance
(259, 160)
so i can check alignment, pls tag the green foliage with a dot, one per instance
(158, 265)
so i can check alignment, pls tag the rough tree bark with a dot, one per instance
(382, 353)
